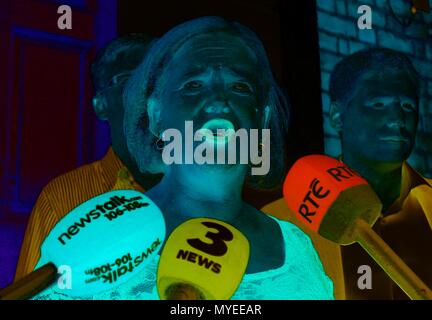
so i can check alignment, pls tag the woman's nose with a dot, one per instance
(217, 106)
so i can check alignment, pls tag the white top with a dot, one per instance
(301, 277)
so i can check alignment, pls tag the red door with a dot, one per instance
(47, 126)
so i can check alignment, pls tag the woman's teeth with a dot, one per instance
(221, 130)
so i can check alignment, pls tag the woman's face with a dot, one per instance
(212, 76)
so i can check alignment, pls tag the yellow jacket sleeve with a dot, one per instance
(421, 197)
(40, 223)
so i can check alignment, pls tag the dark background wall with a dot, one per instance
(47, 126)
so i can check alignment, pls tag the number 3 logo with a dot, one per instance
(218, 248)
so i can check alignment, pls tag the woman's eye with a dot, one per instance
(378, 104)
(408, 106)
(242, 87)
(191, 85)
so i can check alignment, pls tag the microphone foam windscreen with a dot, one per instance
(328, 196)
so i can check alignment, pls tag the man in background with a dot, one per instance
(375, 108)
(110, 70)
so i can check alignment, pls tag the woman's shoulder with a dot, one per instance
(297, 245)
(290, 232)
(299, 275)
(281, 241)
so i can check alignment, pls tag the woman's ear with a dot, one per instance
(335, 116)
(153, 112)
(100, 106)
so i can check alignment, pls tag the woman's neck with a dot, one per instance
(191, 191)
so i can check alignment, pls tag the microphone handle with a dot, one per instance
(183, 291)
(31, 284)
(390, 262)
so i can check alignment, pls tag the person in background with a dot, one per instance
(110, 70)
(375, 109)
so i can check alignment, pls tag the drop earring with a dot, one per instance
(159, 144)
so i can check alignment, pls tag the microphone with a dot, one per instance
(333, 200)
(203, 259)
(100, 244)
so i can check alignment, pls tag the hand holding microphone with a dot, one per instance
(203, 259)
(334, 201)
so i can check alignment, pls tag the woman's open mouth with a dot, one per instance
(218, 130)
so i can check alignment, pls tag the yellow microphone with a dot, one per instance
(203, 259)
